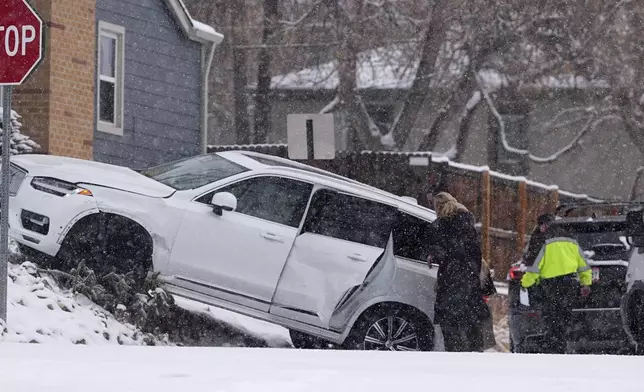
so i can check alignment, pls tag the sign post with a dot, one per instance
(4, 199)
(310, 136)
(21, 47)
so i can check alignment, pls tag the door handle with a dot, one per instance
(358, 258)
(271, 237)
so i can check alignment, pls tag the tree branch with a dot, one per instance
(465, 124)
(432, 42)
(331, 105)
(308, 15)
(590, 125)
(638, 178)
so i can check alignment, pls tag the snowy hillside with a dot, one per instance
(40, 311)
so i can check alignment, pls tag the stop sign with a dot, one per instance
(21, 41)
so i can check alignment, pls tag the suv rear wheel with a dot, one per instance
(392, 328)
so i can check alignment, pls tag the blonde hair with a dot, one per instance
(446, 205)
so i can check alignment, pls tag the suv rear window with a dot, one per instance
(350, 218)
(600, 240)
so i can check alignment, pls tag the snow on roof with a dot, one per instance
(203, 27)
(391, 67)
(196, 30)
(395, 66)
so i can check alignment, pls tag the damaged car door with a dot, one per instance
(342, 237)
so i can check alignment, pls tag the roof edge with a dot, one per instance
(193, 29)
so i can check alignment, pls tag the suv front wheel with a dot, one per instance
(391, 328)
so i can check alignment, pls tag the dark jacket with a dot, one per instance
(537, 240)
(457, 249)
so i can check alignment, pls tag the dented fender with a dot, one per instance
(390, 280)
(161, 217)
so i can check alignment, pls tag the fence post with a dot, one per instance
(554, 199)
(521, 216)
(485, 218)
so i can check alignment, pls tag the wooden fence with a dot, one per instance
(506, 207)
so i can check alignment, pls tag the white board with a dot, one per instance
(323, 136)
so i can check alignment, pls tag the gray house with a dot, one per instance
(602, 163)
(153, 62)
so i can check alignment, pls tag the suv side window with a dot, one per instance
(276, 199)
(350, 218)
(412, 237)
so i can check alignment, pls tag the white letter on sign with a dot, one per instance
(10, 52)
(27, 38)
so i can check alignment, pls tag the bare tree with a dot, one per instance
(240, 77)
(533, 41)
(263, 91)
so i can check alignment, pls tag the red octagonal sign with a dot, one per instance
(21, 41)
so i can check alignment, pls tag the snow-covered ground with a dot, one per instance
(273, 335)
(41, 312)
(31, 368)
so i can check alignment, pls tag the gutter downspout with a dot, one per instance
(204, 100)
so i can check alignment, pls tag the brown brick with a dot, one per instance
(59, 96)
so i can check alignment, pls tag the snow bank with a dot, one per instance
(46, 368)
(273, 335)
(391, 67)
(39, 311)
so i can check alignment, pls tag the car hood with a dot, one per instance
(91, 173)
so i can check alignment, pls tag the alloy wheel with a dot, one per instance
(393, 334)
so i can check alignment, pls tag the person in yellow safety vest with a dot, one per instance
(558, 270)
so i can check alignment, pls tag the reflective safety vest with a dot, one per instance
(559, 256)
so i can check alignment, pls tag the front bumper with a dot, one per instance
(40, 220)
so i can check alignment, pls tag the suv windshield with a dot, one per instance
(194, 172)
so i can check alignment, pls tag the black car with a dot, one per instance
(597, 321)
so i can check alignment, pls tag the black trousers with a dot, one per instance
(462, 336)
(559, 297)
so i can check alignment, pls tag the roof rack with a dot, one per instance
(615, 208)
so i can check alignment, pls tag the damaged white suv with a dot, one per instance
(329, 258)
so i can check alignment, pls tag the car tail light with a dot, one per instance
(515, 273)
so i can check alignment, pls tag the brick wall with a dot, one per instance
(72, 78)
(57, 103)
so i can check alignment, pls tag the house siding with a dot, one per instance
(162, 87)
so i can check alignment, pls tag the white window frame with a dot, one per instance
(118, 33)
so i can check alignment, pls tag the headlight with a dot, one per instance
(58, 187)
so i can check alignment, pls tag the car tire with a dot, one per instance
(380, 329)
(305, 341)
(637, 318)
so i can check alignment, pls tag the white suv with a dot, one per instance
(331, 259)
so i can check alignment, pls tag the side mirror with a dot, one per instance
(223, 201)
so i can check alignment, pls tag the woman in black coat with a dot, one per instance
(460, 308)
